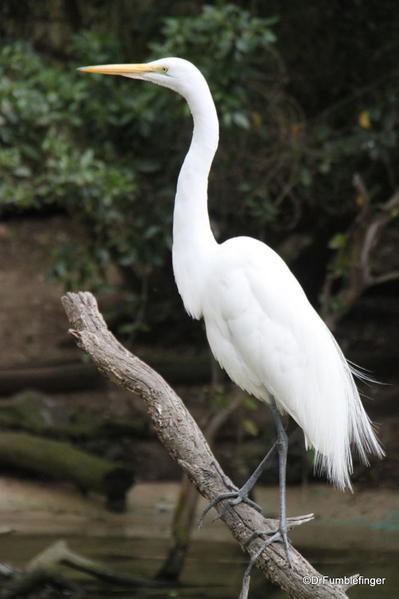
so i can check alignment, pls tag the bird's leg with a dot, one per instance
(272, 536)
(280, 534)
(241, 495)
(282, 449)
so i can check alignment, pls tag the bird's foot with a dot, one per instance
(235, 495)
(273, 536)
(232, 498)
(278, 536)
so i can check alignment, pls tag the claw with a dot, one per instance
(291, 523)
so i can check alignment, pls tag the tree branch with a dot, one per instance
(182, 438)
(389, 276)
(362, 241)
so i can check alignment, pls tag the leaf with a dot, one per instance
(364, 119)
(338, 241)
(241, 119)
(250, 403)
(250, 427)
(306, 177)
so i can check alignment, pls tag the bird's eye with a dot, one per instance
(164, 69)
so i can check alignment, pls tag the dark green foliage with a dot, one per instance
(107, 151)
(236, 53)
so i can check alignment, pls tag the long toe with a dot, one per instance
(233, 498)
(286, 544)
(270, 536)
(278, 535)
(214, 503)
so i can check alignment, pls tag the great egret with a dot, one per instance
(259, 323)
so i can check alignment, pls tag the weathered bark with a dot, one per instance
(182, 370)
(74, 376)
(184, 441)
(63, 462)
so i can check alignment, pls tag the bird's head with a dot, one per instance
(175, 73)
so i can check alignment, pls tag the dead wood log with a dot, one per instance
(23, 584)
(34, 412)
(60, 554)
(182, 438)
(62, 378)
(62, 462)
(42, 573)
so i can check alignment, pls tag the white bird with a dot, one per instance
(259, 323)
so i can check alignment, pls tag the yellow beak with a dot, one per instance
(120, 69)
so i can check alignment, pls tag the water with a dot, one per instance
(212, 570)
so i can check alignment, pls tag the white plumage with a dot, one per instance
(260, 326)
(269, 339)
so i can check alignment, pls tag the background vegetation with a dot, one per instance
(307, 97)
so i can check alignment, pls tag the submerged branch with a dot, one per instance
(60, 554)
(186, 444)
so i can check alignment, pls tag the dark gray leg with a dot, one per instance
(282, 449)
(253, 479)
(240, 495)
(235, 497)
(280, 534)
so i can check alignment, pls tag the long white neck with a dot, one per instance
(193, 240)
